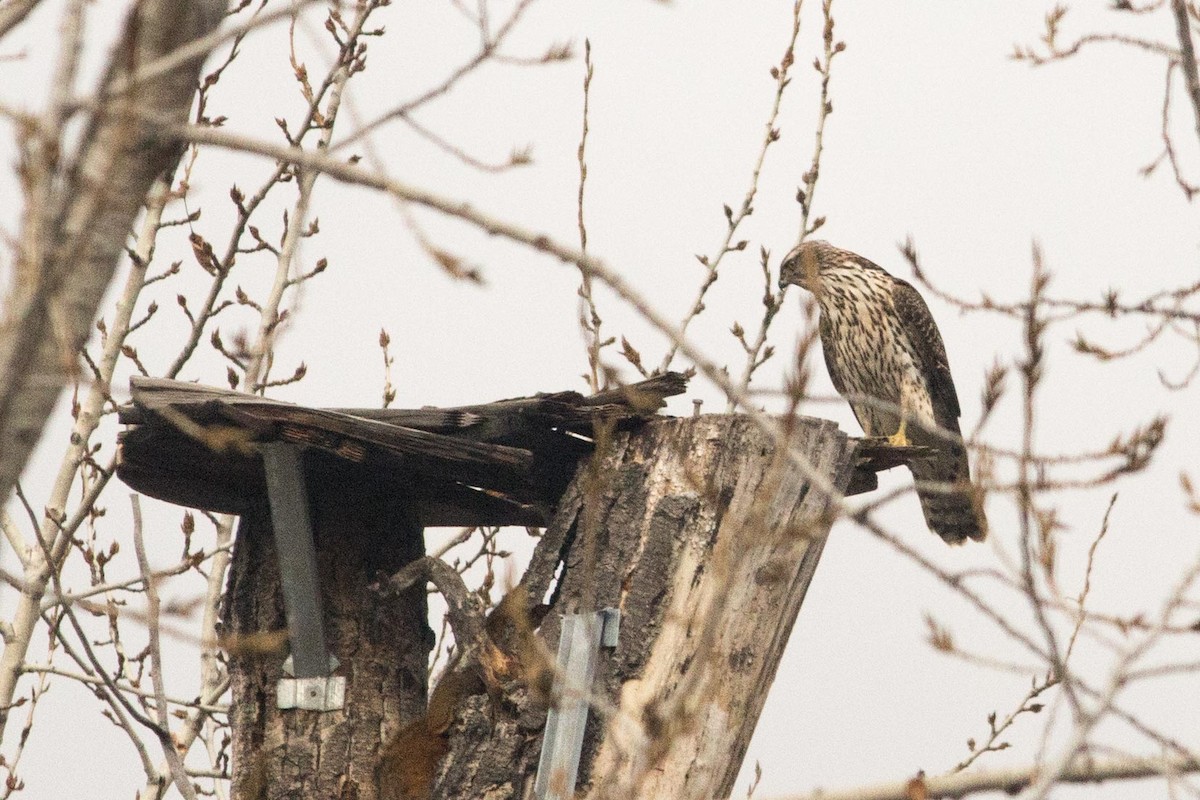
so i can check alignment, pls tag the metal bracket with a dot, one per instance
(325, 693)
(311, 684)
(579, 641)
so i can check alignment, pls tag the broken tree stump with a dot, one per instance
(705, 538)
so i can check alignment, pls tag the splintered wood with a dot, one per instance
(706, 538)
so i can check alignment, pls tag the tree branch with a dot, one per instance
(463, 606)
(14, 14)
(1011, 780)
(1188, 56)
(71, 248)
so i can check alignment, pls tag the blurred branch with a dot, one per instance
(1012, 780)
(70, 247)
(153, 610)
(1183, 30)
(202, 46)
(14, 13)
(517, 157)
(16, 541)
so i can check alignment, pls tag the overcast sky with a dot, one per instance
(936, 134)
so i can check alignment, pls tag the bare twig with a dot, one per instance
(735, 217)
(1087, 577)
(1011, 780)
(773, 300)
(805, 196)
(153, 605)
(92, 680)
(589, 317)
(1032, 371)
(486, 51)
(1168, 145)
(131, 584)
(992, 743)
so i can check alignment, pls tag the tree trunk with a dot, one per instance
(706, 540)
(363, 530)
(74, 234)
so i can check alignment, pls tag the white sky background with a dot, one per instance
(935, 134)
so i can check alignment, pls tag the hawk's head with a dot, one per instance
(810, 264)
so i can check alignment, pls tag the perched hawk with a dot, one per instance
(885, 355)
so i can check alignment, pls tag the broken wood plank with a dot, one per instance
(499, 463)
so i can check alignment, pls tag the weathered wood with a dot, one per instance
(738, 582)
(875, 455)
(495, 464)
(180, 469)
(706, 539)
(364, 530)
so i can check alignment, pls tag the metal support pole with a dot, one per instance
(310, 686)
(580, 639)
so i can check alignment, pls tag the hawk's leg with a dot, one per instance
(900, 438)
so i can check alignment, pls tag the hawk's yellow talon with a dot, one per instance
(900, 438)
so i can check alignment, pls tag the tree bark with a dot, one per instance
(364, 530)
(706, 539)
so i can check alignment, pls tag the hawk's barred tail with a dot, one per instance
(954, 514)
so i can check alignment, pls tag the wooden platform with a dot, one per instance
(501, 463)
